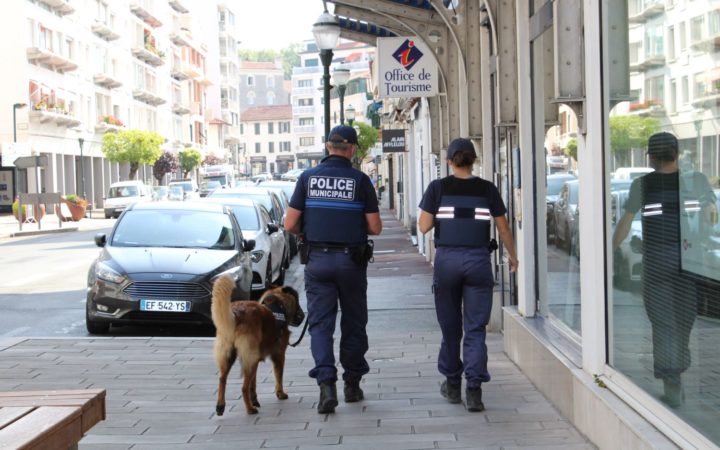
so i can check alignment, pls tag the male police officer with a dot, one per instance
(334, 209)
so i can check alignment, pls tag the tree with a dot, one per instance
(571, 148)
(212, 160)
(132, 146)
(289, 57)
(167, 163)
(189, 160)
(367, 137)
(628, 132)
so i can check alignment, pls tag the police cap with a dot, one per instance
(343, 134)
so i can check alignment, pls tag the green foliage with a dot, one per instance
(132, 146)
(571, 148)
(628, 132)
(367, 137)
(72, 198)
(16, 207)
(189, 160)
(289, 56)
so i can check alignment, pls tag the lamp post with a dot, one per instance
(697, 116)
(326, 31)
(81, 141)
(341, 75)
(16, 106)
(350, 114)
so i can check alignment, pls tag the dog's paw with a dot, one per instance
(255, 403)
(252, 410)
(220, 410)
(281, 395)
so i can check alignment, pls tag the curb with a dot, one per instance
(39, 232)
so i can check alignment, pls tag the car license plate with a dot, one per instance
(165, 305)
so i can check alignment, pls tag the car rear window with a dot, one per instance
(263, 199)
(173, 228)
(247, 217)
(123, 191)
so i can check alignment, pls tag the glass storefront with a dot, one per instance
(662, 60)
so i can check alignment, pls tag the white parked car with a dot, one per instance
(189, 187)
(627, 261)
(630, 173)
(256, 224)
(123, 194)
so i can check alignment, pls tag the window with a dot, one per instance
(257, 147)
(311, 62)
(250, 81)
(270, 98)
(271, 147)
(242, 128)
(654, 41)
(250, 98)
(305, 102)
(672, 99)
(307, 141)
(683, 36)
(304, 121)
(270, 81)
(284, 127)
(285, 146)
(257, 128)
(685, 87)
(270, 128)
(304, 83)
(671, 42)
(696, 29)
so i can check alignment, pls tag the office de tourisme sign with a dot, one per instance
(406, 68)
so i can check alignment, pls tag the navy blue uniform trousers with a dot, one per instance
(330, 276)
(463, 285)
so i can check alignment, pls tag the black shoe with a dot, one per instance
(451, 392)
(473, 399)
(353, 393)
(674, 395)
(328, 398)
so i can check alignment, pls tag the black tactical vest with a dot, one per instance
(463, 218)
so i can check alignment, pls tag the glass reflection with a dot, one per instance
(664, 140)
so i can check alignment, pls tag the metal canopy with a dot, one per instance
(364, 27)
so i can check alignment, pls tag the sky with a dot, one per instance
(273, 24)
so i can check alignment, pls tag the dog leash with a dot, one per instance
(301, 334)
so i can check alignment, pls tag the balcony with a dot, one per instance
(148, 56)
(180, 108)
(178, 6)
(204, 80)
(180, 39)
(62, 7)
(648, 108)
(707, 43)
(303, 129)
(648, 10)
(305, 90)
(106, 81)
(59, 118)
(707, 100)
(196, 108)
(298, 110)
(148, 97)
(102, 128)
(191, 70)
(644, 63)
(51, 59)
(104, 31)
(232, 134)
(178, 73)
(144, 14)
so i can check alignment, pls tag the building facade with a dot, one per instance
(267, 135)
(261, 84)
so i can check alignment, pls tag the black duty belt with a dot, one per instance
(334, 248)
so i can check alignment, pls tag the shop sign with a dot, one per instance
(393, 141)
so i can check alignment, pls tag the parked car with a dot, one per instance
(627, 260)
(265, 176)
(291, 175)
(288, 187)
(206, 187)
(176, 193)
(564, 211)
(123, 194)
(554, 184)
(630, 173)
(159, 262)
(160, 193)
(284, 190)
(189, 186)
(256, 224)
(270, 200)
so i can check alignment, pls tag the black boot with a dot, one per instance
(674, 394)
(328, 398)
(451, 392)
(353, 393)
(473, 399)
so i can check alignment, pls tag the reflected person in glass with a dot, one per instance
(664, 199)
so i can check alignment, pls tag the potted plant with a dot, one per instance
(20, 213)
(77, 206)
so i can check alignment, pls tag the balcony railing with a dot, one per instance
(305, 90)
(647, 62)
(645, 11)
(180, 108)
(61, 7)
(191, 70)
(148, 97)
(148, 56)
(106, 81)
(648, 108)
(60, 118)
(143, 13)
(104, 31)
(708, 99)
(303, 110)
(180, 38)
(178, 6)
(707, 43)
(303, 129)
(50, 58)
(178, 73)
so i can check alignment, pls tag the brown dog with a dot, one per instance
(250, 331)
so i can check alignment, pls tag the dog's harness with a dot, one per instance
(279, 312)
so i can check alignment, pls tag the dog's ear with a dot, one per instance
(291, 291)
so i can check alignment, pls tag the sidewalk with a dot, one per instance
(9, 226)
(162, 391)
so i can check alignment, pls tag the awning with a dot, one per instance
(314, 155)
(285, 158)
(259, 159)
(364, 27)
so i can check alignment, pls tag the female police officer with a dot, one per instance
(334, 207)
(459, 207)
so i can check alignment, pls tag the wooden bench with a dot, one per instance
(48, 419)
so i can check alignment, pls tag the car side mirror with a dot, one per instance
(248, 245)
(272, 228)
(100, 239)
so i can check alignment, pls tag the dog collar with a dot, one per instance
(278, 311)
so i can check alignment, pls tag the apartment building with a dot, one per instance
(267, 135)
(307, 95)
(262, 84)
(82, 68)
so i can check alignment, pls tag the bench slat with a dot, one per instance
(49, 427)
(64, 393)
(11, 414)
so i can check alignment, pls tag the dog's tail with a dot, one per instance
(222, 315)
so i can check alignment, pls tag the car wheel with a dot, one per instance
(268, 275)
(108, 215)
(94, 327)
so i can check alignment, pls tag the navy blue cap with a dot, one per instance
(460, 145)
(343, 134)
(662, 142)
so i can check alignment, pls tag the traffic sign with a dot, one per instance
(25, 162)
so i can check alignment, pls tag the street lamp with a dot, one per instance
(81, 141)
(350, 114)
(341, 75)
(326, 31)
(697, 116)
(16, 106)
